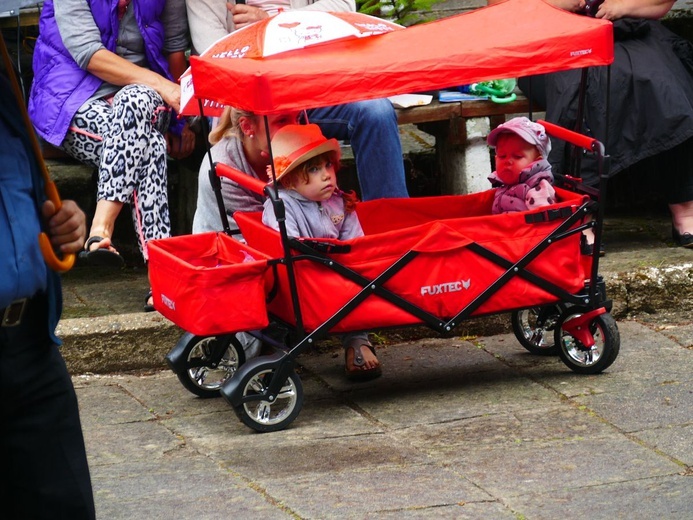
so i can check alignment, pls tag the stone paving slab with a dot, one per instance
(373, 489)
(286, 459)
(674, 440)
(185, 487)
(537, 466)
(659, 497)
(546, 424)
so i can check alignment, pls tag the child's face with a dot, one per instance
(321, 181)
(513, 154)
(275, 122)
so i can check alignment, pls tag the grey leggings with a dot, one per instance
(124, 139)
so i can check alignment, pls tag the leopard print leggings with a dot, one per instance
(124, 139)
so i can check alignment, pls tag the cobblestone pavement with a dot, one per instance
(471, 426)
(456, 428)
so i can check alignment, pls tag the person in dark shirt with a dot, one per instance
(105, 92)
(650, 104)
(42, 454)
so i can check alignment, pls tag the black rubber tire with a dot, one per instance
(263, 416)
(534, 328)
(577, 357)
(201, 353)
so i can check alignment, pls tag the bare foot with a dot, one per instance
(589, 235)
(149, 302)
(103, 223)
(682, 217)
(370, 360)
(361, 363)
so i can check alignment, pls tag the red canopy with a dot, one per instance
(510, 39)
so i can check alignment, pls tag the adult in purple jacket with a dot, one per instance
(104, 92)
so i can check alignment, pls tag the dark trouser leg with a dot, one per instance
(42, 453)
(677, 173)
(534, 87)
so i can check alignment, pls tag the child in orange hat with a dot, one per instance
(305, 165)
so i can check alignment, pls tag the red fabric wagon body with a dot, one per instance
(484, 44)
(444, 276)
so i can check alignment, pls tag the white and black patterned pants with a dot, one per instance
(124, 139)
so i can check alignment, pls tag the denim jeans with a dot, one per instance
(371, 128)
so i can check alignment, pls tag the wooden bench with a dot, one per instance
(25, 17)
(460, 129)
(462, 156)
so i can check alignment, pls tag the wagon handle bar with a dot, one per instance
(243, 179)
(583, 141)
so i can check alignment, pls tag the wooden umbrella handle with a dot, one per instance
(59, 265)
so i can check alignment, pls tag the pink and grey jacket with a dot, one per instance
(532, 191)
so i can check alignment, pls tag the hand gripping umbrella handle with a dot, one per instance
(56, 264)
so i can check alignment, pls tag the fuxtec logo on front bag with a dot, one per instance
(168, 302)
(448, 287)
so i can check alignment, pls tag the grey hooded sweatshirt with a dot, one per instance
(327, 219)
(307, 218)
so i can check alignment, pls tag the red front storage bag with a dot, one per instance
(209, 283)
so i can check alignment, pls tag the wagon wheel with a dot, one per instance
(209, 361)
(534, 328)
(266, 415)
(579, 358)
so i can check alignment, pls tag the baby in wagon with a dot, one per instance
(305, 164)
(523, 178)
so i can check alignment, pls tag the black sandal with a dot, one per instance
(148, 307)
(681, 239)
(100, 257)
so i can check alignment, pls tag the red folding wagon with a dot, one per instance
(432, 261)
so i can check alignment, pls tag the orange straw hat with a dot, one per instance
(293, 145)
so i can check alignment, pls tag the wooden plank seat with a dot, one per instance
(460, 129)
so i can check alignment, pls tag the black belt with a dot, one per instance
(12, 314)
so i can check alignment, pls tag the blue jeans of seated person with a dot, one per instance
(371, 128)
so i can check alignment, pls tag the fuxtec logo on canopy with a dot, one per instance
(447, 287)
(583, 52)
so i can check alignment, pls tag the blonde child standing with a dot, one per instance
(306, 164)
(523, 177)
